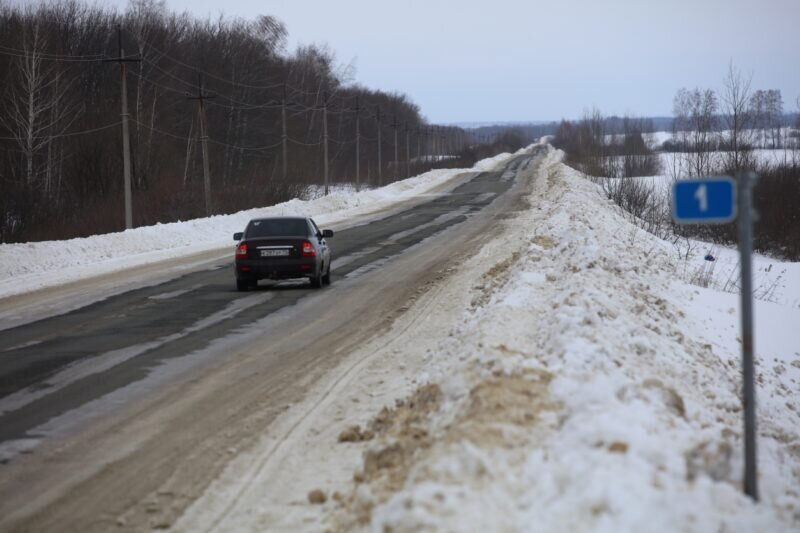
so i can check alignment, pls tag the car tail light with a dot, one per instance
(241, 250)
(308, 250)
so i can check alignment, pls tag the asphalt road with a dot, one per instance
(106, 405)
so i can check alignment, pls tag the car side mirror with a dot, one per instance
(238, 236)
(327, 233)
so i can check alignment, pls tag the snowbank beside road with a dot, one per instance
(563, 378)
(586, 388)
(31, 266)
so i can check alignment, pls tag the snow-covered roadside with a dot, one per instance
(31, 266)
(585, 388)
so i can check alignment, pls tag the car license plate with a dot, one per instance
(274, 253)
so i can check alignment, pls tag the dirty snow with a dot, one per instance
(613, 393)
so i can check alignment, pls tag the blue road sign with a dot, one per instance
(704, 201)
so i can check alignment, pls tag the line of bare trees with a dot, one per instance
(712, 134)
(598, 150)
(60, 140)
(718, 133)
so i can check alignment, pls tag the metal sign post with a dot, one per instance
(715, 201)
(746, 182)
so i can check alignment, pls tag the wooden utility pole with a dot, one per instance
(426, 133)
(380, 163)
(325, 136)
(394, 125)
(408, 157)
(201, 97)
(126, 140)
(418, 154)
(358, 148)
(284, 136)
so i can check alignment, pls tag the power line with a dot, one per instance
(189, 85)
(242, 105)
(212, 141)
(237, 104)
(27, 54)
(70, 134)
(301, 143)
(253, 107)
(210, 75)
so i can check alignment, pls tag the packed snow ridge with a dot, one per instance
(585, 388)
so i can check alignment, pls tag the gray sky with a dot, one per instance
(514, 60)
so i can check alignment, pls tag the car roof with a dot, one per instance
(279, 218)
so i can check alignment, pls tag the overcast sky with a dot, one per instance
(519, 60)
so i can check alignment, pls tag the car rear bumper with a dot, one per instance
(275, 269)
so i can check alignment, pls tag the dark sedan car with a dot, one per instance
(282, 248)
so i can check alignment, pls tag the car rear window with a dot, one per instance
(277, 227)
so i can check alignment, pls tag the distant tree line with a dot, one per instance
(527, 132)
(595, 150)
(267, 108)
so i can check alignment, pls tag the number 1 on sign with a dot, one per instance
(702, 197)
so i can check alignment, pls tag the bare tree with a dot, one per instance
(758, 114)
(637, 157)
(704, 112)
(735, 99)
(143, 17)
(773, 107)
(35, 110)
(695, 123)
(680, 131)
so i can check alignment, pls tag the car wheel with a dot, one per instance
(242, 285)
(326, 279)
(316, 281)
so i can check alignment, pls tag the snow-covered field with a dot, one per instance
(671, 161)
(31, 266)
(565, 378)
(658, 138)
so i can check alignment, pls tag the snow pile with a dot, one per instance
(31, 266)
(587, 388)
